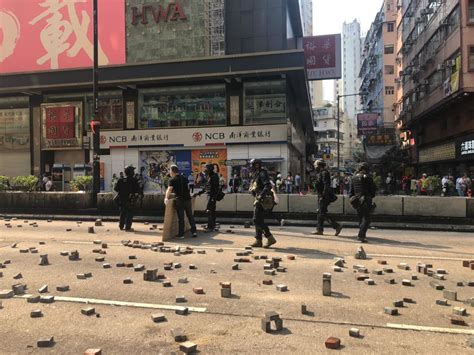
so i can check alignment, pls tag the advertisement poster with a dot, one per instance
(61, 126)
(218, 157)
(15, 129)
(58, 34)
(368, 123)
(323, 57)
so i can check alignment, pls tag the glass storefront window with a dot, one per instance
(110, 112)
(265, 102)
(182, 106)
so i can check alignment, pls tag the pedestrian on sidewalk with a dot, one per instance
(191, 181)
(326, 196)
(128, 190)
(298, 183)
(261, 189)
(212, 190)
(362, 192)
(179, 185)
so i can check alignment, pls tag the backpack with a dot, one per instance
(220, 194)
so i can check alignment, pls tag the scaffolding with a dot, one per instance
(215, 23)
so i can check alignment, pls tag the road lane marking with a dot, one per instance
(122, 303)
(430, 329)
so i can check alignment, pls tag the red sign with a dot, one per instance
(172, 12)
(323, 57)
(58, 34)
(59, 122)
(368, 123)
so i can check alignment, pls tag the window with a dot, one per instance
(389, 49)
(182, 106)
(470, 5)
(389, 90)
(265, 102)
(390, 27)
(389, 69)
(471, 58)
(110, 110)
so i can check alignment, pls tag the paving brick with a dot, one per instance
(220, 250)
(339, 262)
(266, 325)
(178, 334)
(93, 352)
(436, 285)
(390, 311)
(192, 267)
(327, 287)
(459, 311)
(183, 280)
(281, 269)
(45, 342)
(398, 303)
(181, 299)
(406, 282)
(442, 302)
(377, 272)
(188, 347)
(360, 254)
(89, 311)
(291, 257)
(369, 282)
(201, 252)
(167, 284)
(470, 301)
(332, 343)
(441, 271)
(267, 282)
(282, 288)
(390, 281)
(361, 277)
(91, 230)
(24, 251)
(267, 267)
(226, 292)
(470, 283)
(44, 260)
(106, 266)
(128, 281)
(460, 284)
(88, 274)
(457, 320)
(450, 295)
(403, 266)
(64, 253)
(19, 289)
(382, 262)
(37, 313)
(354, 332)
(73, 255)
(46, 299)
(466, 263)
(62, 288)
(43, 289)
(388, 270)
(198, 290)
(158, 317)
(18, 276)
(439, 276)
(150, 275)
(182, 311)
(270, 272)
(337, 269)
(304, 309)
(139, 268)
(408, 300)
(4, 294)
(33, 299)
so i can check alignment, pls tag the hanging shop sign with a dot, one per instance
(61, 126)
(368, 123)
(465, 147)
(382, 137)
(15, 130)
(194, 137)
(158, 13)
(323, 57)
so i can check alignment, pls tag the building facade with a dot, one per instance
(351, 61)
(325, 127)
(435, 110)
(377, 72)
(185, 82)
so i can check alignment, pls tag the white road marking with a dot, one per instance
(431, 329)
(122, 303)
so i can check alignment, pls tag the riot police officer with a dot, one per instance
(261, 189)
(326, 196)
(128, 190)
(212, 190)
(362, 192)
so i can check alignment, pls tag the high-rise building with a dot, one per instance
(315, 87)
(351, 60)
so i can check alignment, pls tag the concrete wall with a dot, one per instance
(46, 200)
(435, 206)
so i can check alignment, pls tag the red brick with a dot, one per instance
(466, 263)
(333, 343)
(226, 284)
(198, 290)
(382, 262)
(290, 257)
(267, 282)
(472, 265)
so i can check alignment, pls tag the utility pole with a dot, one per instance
(95, 121)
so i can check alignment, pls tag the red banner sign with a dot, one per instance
(58, 34)
(323, 57)
(60, 122)
(368, 123)
(62, 126)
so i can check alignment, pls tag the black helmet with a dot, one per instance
(254, 162)
(209, 167)
(364, 166)
(129, 170)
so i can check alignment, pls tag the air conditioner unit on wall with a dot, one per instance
(451, 63)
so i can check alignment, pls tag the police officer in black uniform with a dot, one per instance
(128, 190)
(212, 190)
(260, 188)
(362, 192)
(325, 197)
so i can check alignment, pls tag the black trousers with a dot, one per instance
(324, 216)
(259, 221)
(364, 214)
(185, 207)
(211, 213)
(126, 217)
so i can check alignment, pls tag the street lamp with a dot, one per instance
(95, 121)
(338, 124)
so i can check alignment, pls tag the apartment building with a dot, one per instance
(325, 128)
(436, 108)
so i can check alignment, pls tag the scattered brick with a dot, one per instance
(270, 272)
(182, 311)
(6, 294)
(188, 347)
(45, 342)
(327, 287)
(93, 352)
(198, 290)
(64, 253)
(158, 317)
(369, 282)
(304, 309)
(441, 271)
(403, 266)
(62, 288)
(46, 299)
(354, 332)
(226, 292)
(33, 299)
(450, 295)
(192, 267)
(220, 250)
(90, 230)
(459, 311)
(181, 299)
(19, 289)
(36, 313)
(106, 266)
(89, 311)
(139, 268)
(442, 302)
(460, 284)
(388, 270)
(339, 262)
(281, 269)
(406, 282)
(332, 343)
(201, 252)
(439, 276)
(167, 284)
(360, 254)
(235, 267)
(74, 255)
(290, 257)
(382, 262)
(81, 276)
(43, 289)
(398, 303)
(128, 281)
(337, 269)
(457, 320)
(267, 282)
(408, 300)
(44, 260)
(377, 272)
(18, 276)
(361, 277)
(183, 280)
(390, 311)
(282, 288)
(436, 285)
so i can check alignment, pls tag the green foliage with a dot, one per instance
(378, 181)
(434, 183)
(4, 183)
(81, 183)
(24, 183)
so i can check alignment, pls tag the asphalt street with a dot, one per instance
(233, 325)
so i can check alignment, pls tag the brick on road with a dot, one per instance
(37, 313)
(354, 332)
(93, 352)
(188, 347)
(459, 311)
(450, 295)
(4, 294)
(158, 317)
(332, 343)
(45, 342)
(46, 299)
(33, 299)
(89, 311)
(390, 311)
(178, 334)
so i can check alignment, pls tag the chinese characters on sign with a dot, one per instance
(465, 147)
(15, 129)
(383, 137)
(61, 126)
(57, 34)
(323, 57)
(368, 123)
